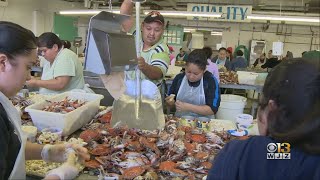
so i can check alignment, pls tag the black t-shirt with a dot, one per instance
(247, 159)
(210, 85)
(9, 144)
(271, 63)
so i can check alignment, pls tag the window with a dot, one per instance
(173, 35)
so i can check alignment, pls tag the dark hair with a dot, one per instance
(15, 40)
(48, 39)
(294, 85)
(228, 51)
(208, 51)
(239, 53)
(222, 49)
(270, 50)
(199, 58)
(66, 44)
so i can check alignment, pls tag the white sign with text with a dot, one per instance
(233, 13)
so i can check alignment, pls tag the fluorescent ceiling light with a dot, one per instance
(186, 14)
(216, 33)
(284, 18)
(86, 11)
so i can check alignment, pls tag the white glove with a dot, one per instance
(54, 153)
(68, 170)
(57, 153)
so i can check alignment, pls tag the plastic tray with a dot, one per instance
(248, 78)
(69, 122)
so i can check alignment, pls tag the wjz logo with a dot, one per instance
(278, 151)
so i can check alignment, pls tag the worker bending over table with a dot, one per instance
(196, 90)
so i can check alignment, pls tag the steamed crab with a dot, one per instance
(214, 138)
(178, 146)
(100, 150)
(133, 172)
(150, 146)
(90, 135)
(169, 167)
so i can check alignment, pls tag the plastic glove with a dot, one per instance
(57, 153)
(68, 170)
(170, 99)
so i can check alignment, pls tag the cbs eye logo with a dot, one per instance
(278, 151)
(278, 148)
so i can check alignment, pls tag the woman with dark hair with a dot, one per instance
(260, 61)
(66, 44)
(197, 90)
(271, 61)
(18, 52)
(211, 67)
(182, 55)
(289, 126)
(62, 71)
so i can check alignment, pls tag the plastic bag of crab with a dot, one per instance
(175, 152)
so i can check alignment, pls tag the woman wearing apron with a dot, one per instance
(196, 90)
(18, 52)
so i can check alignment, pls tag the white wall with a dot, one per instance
(23, 13)
(235, 34)
(297, 40)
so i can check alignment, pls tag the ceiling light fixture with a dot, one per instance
(216, 33)
(284, 18)
(86, 11)
(186, 14)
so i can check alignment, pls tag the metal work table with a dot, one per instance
(257, 88)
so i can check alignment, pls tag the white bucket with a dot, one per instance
(231, 106)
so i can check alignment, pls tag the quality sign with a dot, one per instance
(229, 13)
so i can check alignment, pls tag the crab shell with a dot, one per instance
(143, 141)
(201, 156)
(176, 173)
(106, 118)
(100, 150)
(199, 138)
(167, 165)
(206, 165)
(92, 164)
(89, 135)
(190, 147)
(133, 172)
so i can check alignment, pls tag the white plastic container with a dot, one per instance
(261, 78)
(248, 78)
(69, 122)
(231, 106)
(30, 132)
(244, 120)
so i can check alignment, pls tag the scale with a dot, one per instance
(111, 50)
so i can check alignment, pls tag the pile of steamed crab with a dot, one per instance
(176, 152)
(21, 103)
(64, 106)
